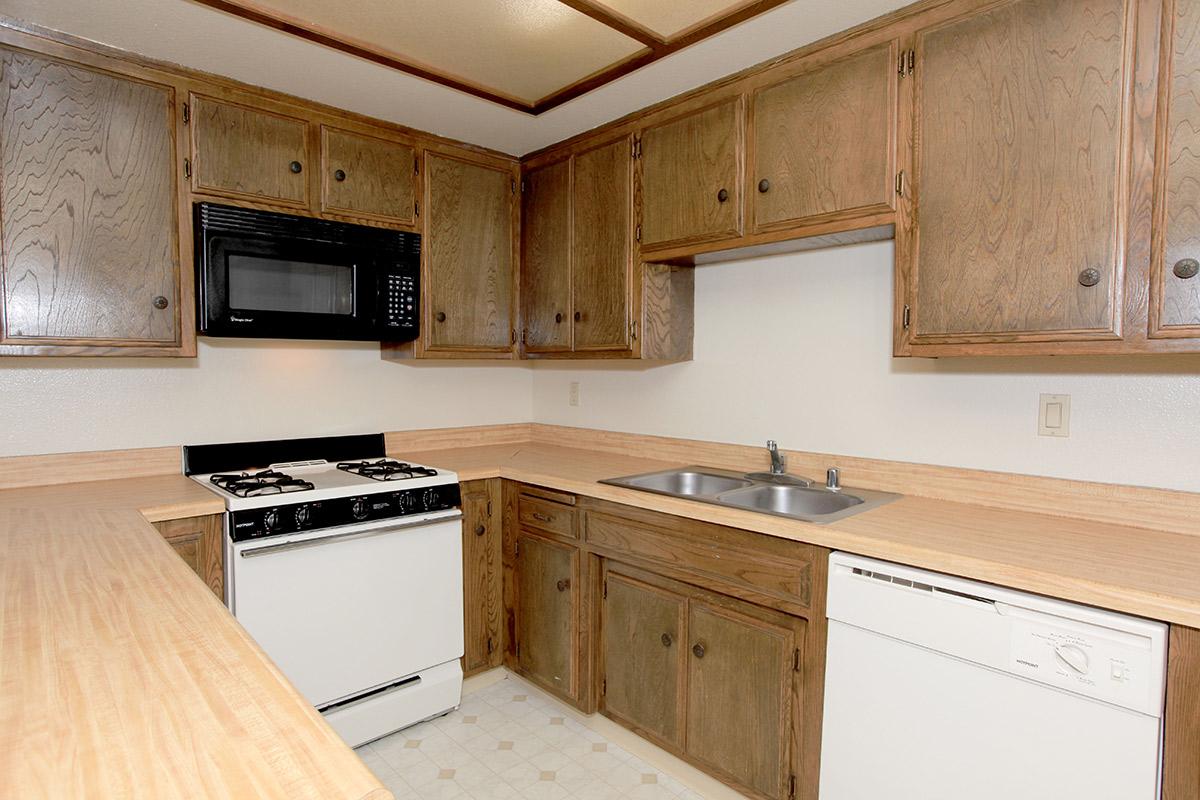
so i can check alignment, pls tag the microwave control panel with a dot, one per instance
(401, 307)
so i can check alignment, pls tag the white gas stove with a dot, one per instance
(346, 567)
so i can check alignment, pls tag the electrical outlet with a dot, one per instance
(1054, 415)
(573, 393)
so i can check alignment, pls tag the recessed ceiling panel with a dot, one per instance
(525, 49)
(668, 18)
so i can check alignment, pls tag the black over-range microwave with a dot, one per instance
(269, 275)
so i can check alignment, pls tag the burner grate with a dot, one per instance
(386, 469)
(254, 484)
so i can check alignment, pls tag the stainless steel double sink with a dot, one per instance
(782, 495)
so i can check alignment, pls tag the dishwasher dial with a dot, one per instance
(1071, 657)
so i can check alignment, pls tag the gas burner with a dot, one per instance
(385, 469)
(253, 484)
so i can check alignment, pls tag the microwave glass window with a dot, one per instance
(272, 284)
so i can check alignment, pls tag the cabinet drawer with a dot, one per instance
(546, 515)
(762, 569)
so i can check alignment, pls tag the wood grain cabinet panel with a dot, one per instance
(546, 258)
(248, 153)
(602, 246)
(823, 141)
(1181, 735)
(1020, 172)
(367, 176)
(739, 696)
(88, 207)
(691, 177)
(547, 576)
(645, 657)
(468, 246)
(199, 542)
(482, 576)
(1175, 286)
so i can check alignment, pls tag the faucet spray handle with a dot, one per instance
(778, 466)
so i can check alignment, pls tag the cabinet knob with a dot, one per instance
(563, 585)
(764, 186)
(440, 316)
(339, 175)
(666, 640)
(295, 167)
(480, 529)
(578, 316)
(161, 302)
(1186, 268)
(557, 318)
(722, 196)
(698, 650)
(1089, 277)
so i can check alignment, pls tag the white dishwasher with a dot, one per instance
(939, 688)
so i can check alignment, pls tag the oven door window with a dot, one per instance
(266, 283)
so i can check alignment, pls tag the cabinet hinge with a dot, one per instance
(513, 183)
(796, 660)
(516, 553)
(638, 233)
(900, 183)
(906, 318)
(417, 208)
(637, 147)
(605, 592)
(490, 645)
(524, 336)
(187, 168)
(416, 165)
(633, 329)
(522, 186)
(518, 652)
(907, 63)
(791, 787)
(187, 114)
(604, 686)
(489, 508)
(514, 336)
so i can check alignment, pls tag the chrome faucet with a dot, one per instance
(778, 461)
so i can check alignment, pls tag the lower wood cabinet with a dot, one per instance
(547, 593)
(199, 542)
(483, 646)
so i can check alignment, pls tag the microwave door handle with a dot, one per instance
(341, 537)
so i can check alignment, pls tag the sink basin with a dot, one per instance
(686, 483)
(767, 493)
(790, 501)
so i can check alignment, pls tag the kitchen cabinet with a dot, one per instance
(483, 645)
(369, 177)
(691, 169)
(248, 153)
(1020, 173)
(546, 246)
(199, 541)
(547, 596)
(89, 211)
(1181, 735)
(468, 249)
(823, 141)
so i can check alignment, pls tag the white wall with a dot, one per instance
(797, 348)
(242, 390)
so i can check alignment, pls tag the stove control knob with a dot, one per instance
(303, 516)
(271, 520)
(358, 508)
(431, 499)
(408, 502)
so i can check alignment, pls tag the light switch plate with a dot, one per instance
(573, 393)
(1054, 415)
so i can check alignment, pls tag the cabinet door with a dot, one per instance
(547, 630)
(248, 153)
(88, 206)
(481, 575)
(602, 249)
(739, 696)
(644, 656)
(1176, 286)
(469, 255)
(546, 258)
(199, 542)
(368, 177)
(823, 141)
(1020, 182)
(691, 189)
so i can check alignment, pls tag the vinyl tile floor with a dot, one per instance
(507, 741)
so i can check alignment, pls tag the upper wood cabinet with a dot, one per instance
(469, 260)
(89, 210)
(1175, 284)
(823, 141)
(365, 176)
(1022, 122)
(248, 153)
(691, 168)
(546, 258)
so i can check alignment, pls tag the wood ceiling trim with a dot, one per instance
(618, 22)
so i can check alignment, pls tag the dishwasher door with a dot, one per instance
(943, 689)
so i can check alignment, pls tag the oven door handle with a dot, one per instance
(341, 537)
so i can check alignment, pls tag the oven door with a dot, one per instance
(351, 609)
(261, 286)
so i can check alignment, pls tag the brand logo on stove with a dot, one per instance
(240, 319)
(244, 525)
